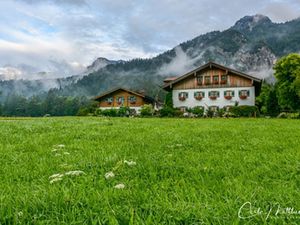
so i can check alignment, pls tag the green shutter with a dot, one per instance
(218, 93)
(232, 93)
(248, 93)
(209, 94)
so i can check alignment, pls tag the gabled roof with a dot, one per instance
(118, 89)
(210, 65)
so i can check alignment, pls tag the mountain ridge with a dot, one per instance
(252, 45)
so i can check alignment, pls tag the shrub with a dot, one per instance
(244, 111)
(197, 111)
(123, 111)
(84, 111)
(147, 110)
(167, 111)
(209, 113)
(110, 112)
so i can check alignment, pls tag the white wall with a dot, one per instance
(191, 102)
(137, 109)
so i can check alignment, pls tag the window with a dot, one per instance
(199, 95)
(223, 79)
(216, 79)
(214, 94)
(228, 94)
(207, 80)
(214, 108)
(183, 95)
(244, 94)
(109, 100)
(120, 100)
(200, 80)
(132, 99)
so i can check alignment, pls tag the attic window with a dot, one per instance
(120, 100)
(216, 79)
(200, 80)
(223, 79)
(132, 99)
(109, 100)
(207, 80)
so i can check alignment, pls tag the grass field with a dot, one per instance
(187, 171)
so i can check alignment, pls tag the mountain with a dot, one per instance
(252, 45)
(100, 63)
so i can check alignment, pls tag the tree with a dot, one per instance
(272, 106)
(287, 73)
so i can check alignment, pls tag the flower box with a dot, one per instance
(243, 97)
(223, 81)
(228, 97)
(213, 97)
(182, 98)
(199, 98)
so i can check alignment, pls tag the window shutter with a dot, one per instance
(232, 93)
(218, 93)
(248, 93)
(240, 93)
(224, 93)
(186, 94)
(209, 94)
(203, 94)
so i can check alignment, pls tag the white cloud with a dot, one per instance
(35, 32)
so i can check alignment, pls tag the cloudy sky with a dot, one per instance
(66, 35)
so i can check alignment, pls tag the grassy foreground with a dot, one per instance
(188, 171)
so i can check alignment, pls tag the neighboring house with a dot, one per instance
(213, 86)
(121, 97)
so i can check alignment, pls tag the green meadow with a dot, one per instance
(89, 170)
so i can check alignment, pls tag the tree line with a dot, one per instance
(49, 105)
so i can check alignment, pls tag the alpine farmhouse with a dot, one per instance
(121, 97)
(213, 86)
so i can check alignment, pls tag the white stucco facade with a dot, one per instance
(191, 102)
(137, 109)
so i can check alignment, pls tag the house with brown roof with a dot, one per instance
(213, 86)
(121, 97)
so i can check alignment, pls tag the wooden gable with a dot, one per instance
(122, 97)
(212, 75)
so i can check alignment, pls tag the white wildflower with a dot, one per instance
(57, 154)
(55, 180)
(66, 153)
(57, 175)
(54, 150)
(60, 146)
(74, 173)
(20, 214)
(109, 175)
(130, 163)
(120, 186)
(179, 145)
